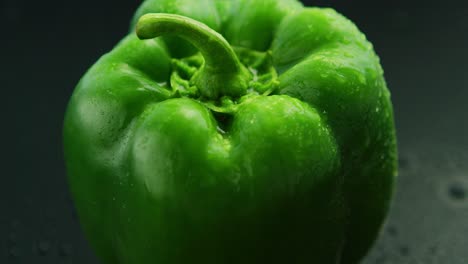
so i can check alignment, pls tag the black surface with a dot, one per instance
(46, 46)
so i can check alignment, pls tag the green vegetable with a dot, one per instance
(271, 141)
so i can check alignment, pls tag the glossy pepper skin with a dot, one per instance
(270, 142)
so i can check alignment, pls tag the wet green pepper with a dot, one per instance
(251, 131)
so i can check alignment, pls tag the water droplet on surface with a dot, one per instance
(43, 247)
(457, 191)
(404, 250)
(433, 250)
(362, 79)
(392, 231)
(403, 162)
(348, 55)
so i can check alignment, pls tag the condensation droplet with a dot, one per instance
(457, 191)
(404, 250)
(362, 79)
(348, 55)
(392, 231)
(432, 250)
(43, 247)
(346, 41)
(403, 162)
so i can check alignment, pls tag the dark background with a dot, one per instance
(46, 46)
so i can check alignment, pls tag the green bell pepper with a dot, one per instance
(251, 131)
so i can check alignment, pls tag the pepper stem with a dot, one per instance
(222, 74)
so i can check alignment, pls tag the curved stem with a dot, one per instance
(221, 67)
